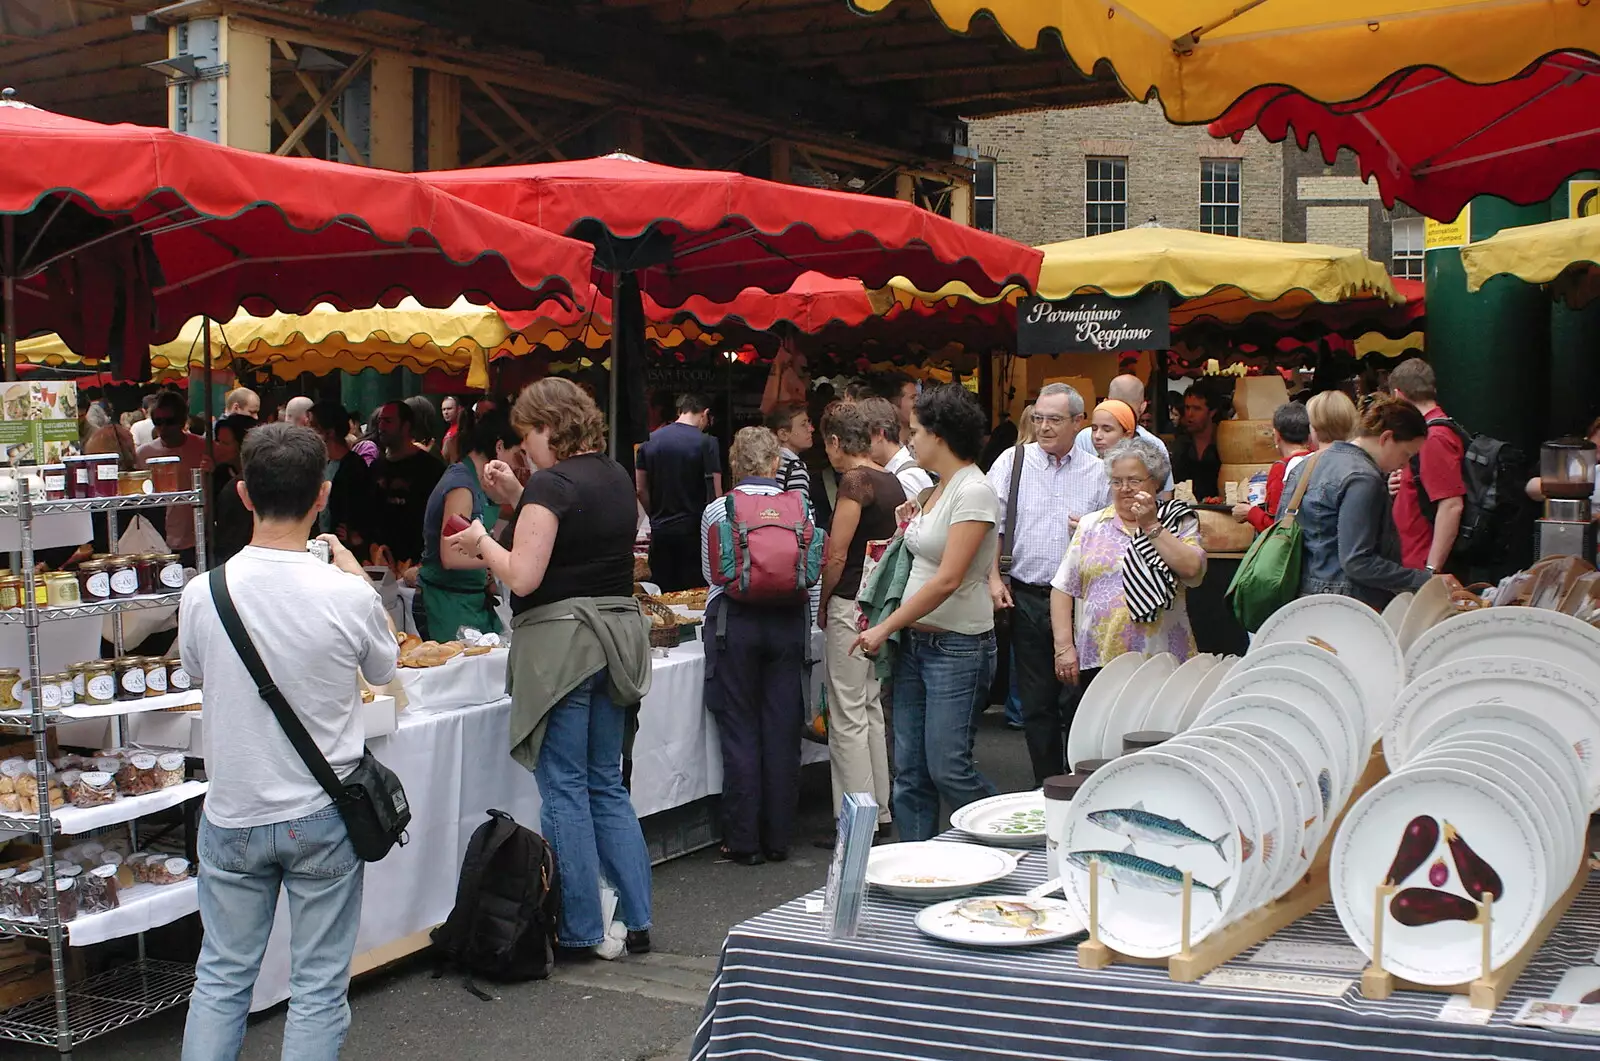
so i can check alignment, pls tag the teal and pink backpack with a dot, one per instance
(768, 550)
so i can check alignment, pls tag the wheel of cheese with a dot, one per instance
(1246, 442)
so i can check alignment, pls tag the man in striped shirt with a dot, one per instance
(1058, 487)
(792, 426)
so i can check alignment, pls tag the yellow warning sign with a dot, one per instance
(1457, 233)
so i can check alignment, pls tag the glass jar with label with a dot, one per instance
(165, 473)
(49, 691)
(94, 581)
(170, 575)
(11, 596)
(61, 589)
(67, 683)
(144, 566)
(155, 676)
(106, 468)
(80, 476)
(130, 677)
(55, 481)
(130, 484)
(99, 682)
(124, 579)
(178, 679)
(10, 678)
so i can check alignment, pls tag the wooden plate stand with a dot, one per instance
(1195, 960)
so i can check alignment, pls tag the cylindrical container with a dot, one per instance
(124, 578)
(76, 673)
(155, 676)
(80, 476)
(1144, 738)
(10, 678)
(94, 581)
(1058, 793)
(40, 594)
(178, 679)
(49, 686)
(1088, 766)
(55, 481)
(106, 467)
(169, 573)
(99, 682)
(130, 677)
(164, 474)
(69, 688)
(144, 566)
(11, 593)
(134, 483)
(61, 589)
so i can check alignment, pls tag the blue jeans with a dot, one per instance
(940, 680)
(1013, 696)
(240, 873)
(587, 815)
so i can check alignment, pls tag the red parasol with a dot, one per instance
(115, 235)
(1434, 142)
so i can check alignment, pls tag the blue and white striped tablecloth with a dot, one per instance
(785, 991)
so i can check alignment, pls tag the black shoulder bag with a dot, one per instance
(371, 800)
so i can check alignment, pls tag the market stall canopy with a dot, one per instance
(1200, 56)
(1433, 141)
(117, 235)
(692, 232)
(1564, 254)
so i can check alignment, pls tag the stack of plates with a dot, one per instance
(1134, 693)
(1483, 798)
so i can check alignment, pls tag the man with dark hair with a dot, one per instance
(901, 390)
(170, 414)
(1431, 479)
(403, 478)
(883, 421)
(1195, 459)
(792, 426)
(267, 823)
(144, 431)
(348, 513)
(1291, 430)
(677, 473)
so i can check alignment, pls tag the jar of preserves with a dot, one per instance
(106, 468)
(131, 484)
(178, 679)
(99, 682)
(124, 579)
(61, 589)
(11, 596)
(94, 581)
(170, 575)
(40, 596)
(10, 678)
(130, 677)
(76, 673)
(165, 473)
(49, 689)
(144, 566)
(55, 481)
(80, 476)
(155, 676)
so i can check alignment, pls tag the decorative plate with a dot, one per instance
(1008, 820)
(1144, 819)
(1303, 777)
(1558, 695)
(1535, 633)
(936, 870)
(1094, 708)
(1317, 701)
(1202, 691)
(1428, 609)
(1166, 707)
(1355, 632)
(1001, 921)
(1400, 830)
(1286, 852)
(1329, 669)
(1295, 725)
(1519, 727)
(1269, 812)
(1394, 613)
(1134, 701)
(1497, 771)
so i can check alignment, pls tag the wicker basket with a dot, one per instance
(667, 636)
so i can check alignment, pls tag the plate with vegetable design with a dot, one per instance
(936, 870)
(1001, 921)
(1442, 838)
(1353, 631)
(1007, 820)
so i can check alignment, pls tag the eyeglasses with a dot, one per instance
(165, 421)
(1053, 419)
(1130, 484)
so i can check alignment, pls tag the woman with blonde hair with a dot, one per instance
(755, 661)
(580, 660)
(1333, 419)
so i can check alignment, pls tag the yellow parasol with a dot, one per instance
(1200, 56)
(1564, 254)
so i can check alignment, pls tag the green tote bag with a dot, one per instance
(1269, 575)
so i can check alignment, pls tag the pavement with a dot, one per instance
(641, 1008)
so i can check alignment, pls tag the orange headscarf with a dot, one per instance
(1122, 411)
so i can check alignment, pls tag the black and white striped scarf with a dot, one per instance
(1148, 584)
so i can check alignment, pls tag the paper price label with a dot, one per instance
(1333, 958)
(1279, 981)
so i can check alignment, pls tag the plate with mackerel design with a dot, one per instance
(1143, 820)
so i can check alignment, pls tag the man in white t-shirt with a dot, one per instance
(883, 422)
(1130, 390)
(267, 821)
(145, 430)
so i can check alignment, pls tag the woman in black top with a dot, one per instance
(572, 540)
(864, 512)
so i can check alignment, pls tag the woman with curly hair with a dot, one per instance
(580, 659)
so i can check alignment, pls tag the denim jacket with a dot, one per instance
(1347, 528)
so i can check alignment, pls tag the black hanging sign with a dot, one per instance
(1094, 324)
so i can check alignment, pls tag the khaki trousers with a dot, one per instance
(859, 757)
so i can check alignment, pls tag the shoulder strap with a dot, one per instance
(293, 728)
(1310, 465)
(1010, 532)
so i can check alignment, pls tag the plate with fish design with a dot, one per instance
(1007, 820)
(1296, 726)
(1399, 832)
(936, 870)
(1094, 708)
(1247, 811)
(1313, 697)
(1354, 632)
(1284, 836)
(1303, 781)
(1001, 921)
(1143, 820)
(1332, 671)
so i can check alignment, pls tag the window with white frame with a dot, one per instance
(983, 199)
(1219, 196)
(1406, 261)
(1105, 195)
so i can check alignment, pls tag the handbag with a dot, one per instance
(1269, 575)
(371, 800)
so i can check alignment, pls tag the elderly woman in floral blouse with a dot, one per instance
(1127, 568)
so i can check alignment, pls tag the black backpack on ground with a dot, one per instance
(503, 926)
(1493, 472)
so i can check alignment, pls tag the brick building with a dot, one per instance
(1053, 175)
